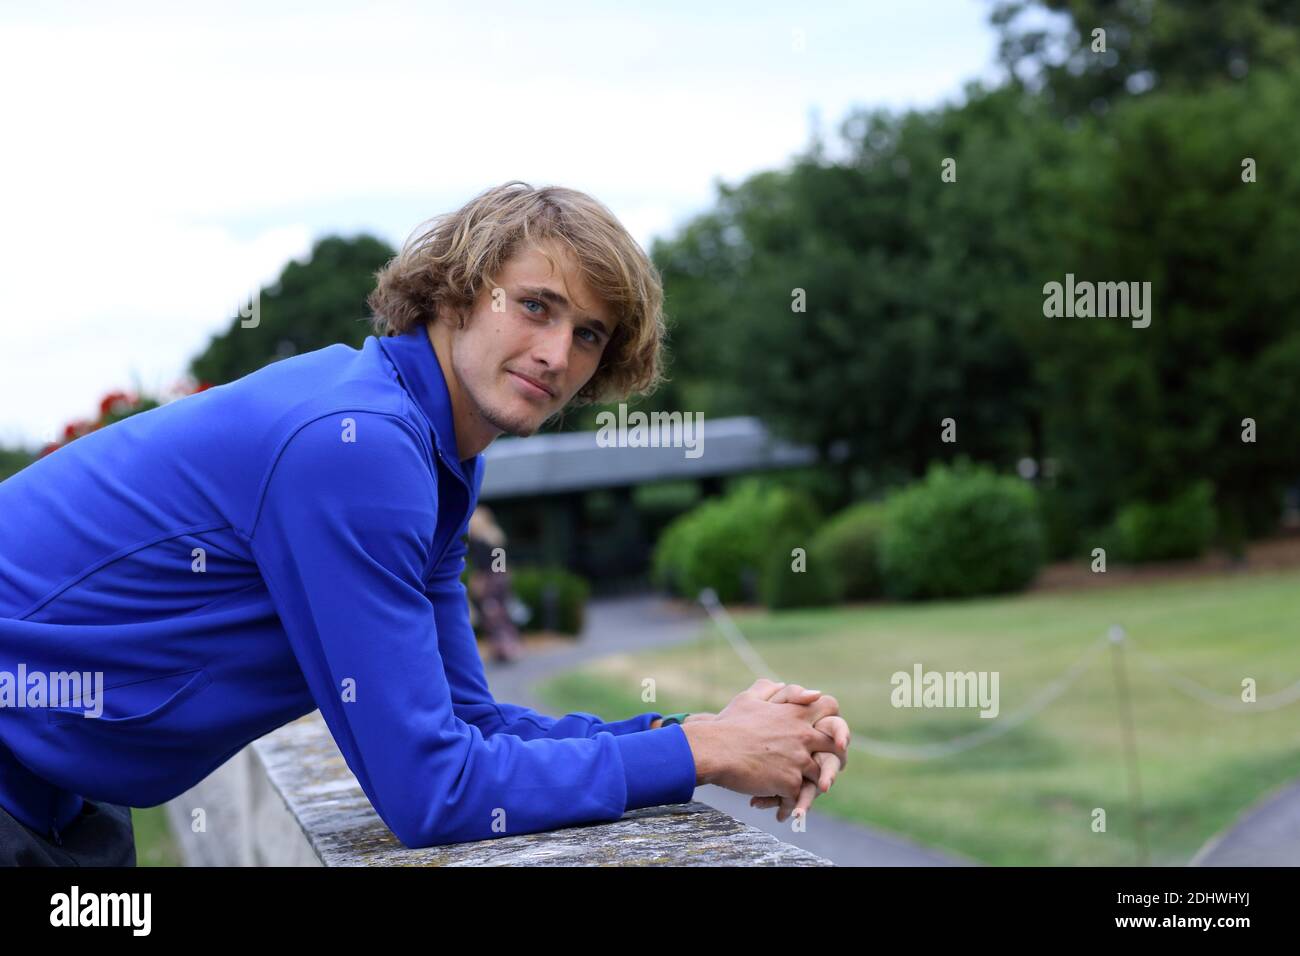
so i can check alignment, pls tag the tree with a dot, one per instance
(1173, 45)
(855, 305)
(313, 304)
(1159, 194)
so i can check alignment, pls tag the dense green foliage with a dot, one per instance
(13, 460)
(1170, 45)
(793, 576)
(961, 532)
(1181, 527)
(556, 599)
(925, 294)
(726, 543)
(848, 547)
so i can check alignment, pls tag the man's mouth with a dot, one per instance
(531, 386)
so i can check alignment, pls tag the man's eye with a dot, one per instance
(595, 339)
(536, 303)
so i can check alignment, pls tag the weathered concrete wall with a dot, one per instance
(289, 799)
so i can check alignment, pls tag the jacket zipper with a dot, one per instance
(469, 495)
(437, 450)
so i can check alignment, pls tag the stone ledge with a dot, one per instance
(289, 799)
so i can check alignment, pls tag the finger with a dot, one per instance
(838, 729)
(800, 805)
(764, 803)
(787, 807)
(763, 688)
(823, 706)
(794, 694)
(831, 766)
(779, 693)
(806, 797)
(824, 743)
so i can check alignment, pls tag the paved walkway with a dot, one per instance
(1267, 834)
(623, 625)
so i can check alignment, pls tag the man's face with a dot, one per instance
(532, 340)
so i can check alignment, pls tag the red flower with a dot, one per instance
(78, 428)
(108, 405)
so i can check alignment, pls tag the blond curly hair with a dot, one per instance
(450, 258)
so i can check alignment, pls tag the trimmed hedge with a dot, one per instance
(1182, 527)
(567, 591)
(726, 543)
(961, 531)
(784, 587)
(847, 551)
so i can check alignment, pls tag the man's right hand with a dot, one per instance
(760, 747)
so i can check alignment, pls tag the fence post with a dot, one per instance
(1130, 740)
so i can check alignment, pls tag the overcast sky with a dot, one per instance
(158, 163)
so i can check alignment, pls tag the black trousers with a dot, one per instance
(100, 836)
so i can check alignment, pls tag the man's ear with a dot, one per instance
(462, 314)
(447, 313)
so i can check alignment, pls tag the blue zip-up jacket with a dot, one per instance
(289, 541)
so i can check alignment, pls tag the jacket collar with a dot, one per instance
(421, 373)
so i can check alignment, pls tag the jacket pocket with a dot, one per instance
(138, 702)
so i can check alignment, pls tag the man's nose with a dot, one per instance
(551, 346)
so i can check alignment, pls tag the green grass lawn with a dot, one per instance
(154, 843)
(1027, 797)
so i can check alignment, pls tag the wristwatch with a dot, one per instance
(673, 719)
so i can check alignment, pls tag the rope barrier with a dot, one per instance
(1288, 695)
(1044, 699)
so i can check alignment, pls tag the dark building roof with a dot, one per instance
(574, 461)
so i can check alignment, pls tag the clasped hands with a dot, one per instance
(819, 755)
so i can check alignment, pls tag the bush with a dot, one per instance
(668, 562)
(552, 592)
(725, 543)
(847, 552)
(784, 587)
(960, 532)
(1061, 520)
(14, 460)
(815, 483)
(1181, 527)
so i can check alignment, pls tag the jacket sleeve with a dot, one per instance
(471, 698)
(343, 537)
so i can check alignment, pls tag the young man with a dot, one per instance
(224, 564)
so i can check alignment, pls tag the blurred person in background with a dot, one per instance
(489, 588)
